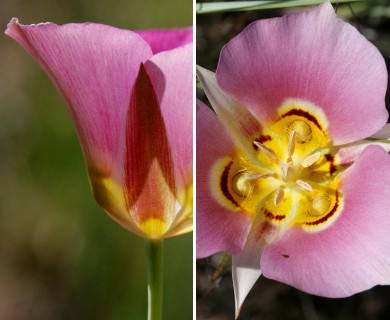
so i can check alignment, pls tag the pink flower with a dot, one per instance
(130, 96)
(281, 183)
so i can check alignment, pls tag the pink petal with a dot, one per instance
(351, 255)
(171, 73)
(218, 229)
(94, 67)
(312, 56)
(163, 40)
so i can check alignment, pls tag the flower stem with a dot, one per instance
(154, 261)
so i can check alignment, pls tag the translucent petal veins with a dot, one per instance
(297, 183)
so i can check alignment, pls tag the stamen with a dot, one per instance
(267, 151)
(304, 185)
(291, 144)
(255, 176)
(279, 195)
(309, 160)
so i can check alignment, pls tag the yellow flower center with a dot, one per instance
(291, 178)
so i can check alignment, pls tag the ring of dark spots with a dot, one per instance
(224, 183)
(272, 216)
(330, 159)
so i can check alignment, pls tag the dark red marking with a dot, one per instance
(302, 113)
(223, 184)
(331, 213)
(146, 142)
(285, 256)
(262, 139)
(272, 216)
(330, 159)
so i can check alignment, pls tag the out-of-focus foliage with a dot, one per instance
(61, 256)
(224, 6)
(270, 299)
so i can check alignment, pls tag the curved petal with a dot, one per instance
(171, 73)
(242, 125)
(312, 56)
(383, 133)
(94, 67)
(218, 229)
(163, 40)
(245, 272)
(351, 255)
(245, 266)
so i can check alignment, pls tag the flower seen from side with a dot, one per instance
(130, 97)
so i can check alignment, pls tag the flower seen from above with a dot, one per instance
(130, 97)
(286, 181)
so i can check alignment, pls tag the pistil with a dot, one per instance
(290, 174)
(291, 146)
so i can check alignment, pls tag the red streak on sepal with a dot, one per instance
(146, 143)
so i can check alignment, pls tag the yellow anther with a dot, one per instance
(309, 160)
(304, 185)
(291, 145)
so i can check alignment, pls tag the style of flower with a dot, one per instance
(282, 184)
(130, 97)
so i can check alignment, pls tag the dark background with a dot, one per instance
(61, 256)
(269, 299)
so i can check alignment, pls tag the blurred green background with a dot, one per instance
(61, 256)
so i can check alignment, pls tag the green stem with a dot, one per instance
(154, 261)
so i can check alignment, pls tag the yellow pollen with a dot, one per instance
(293, 181)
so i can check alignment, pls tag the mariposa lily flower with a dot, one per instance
(130, 97)
(285, 183)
